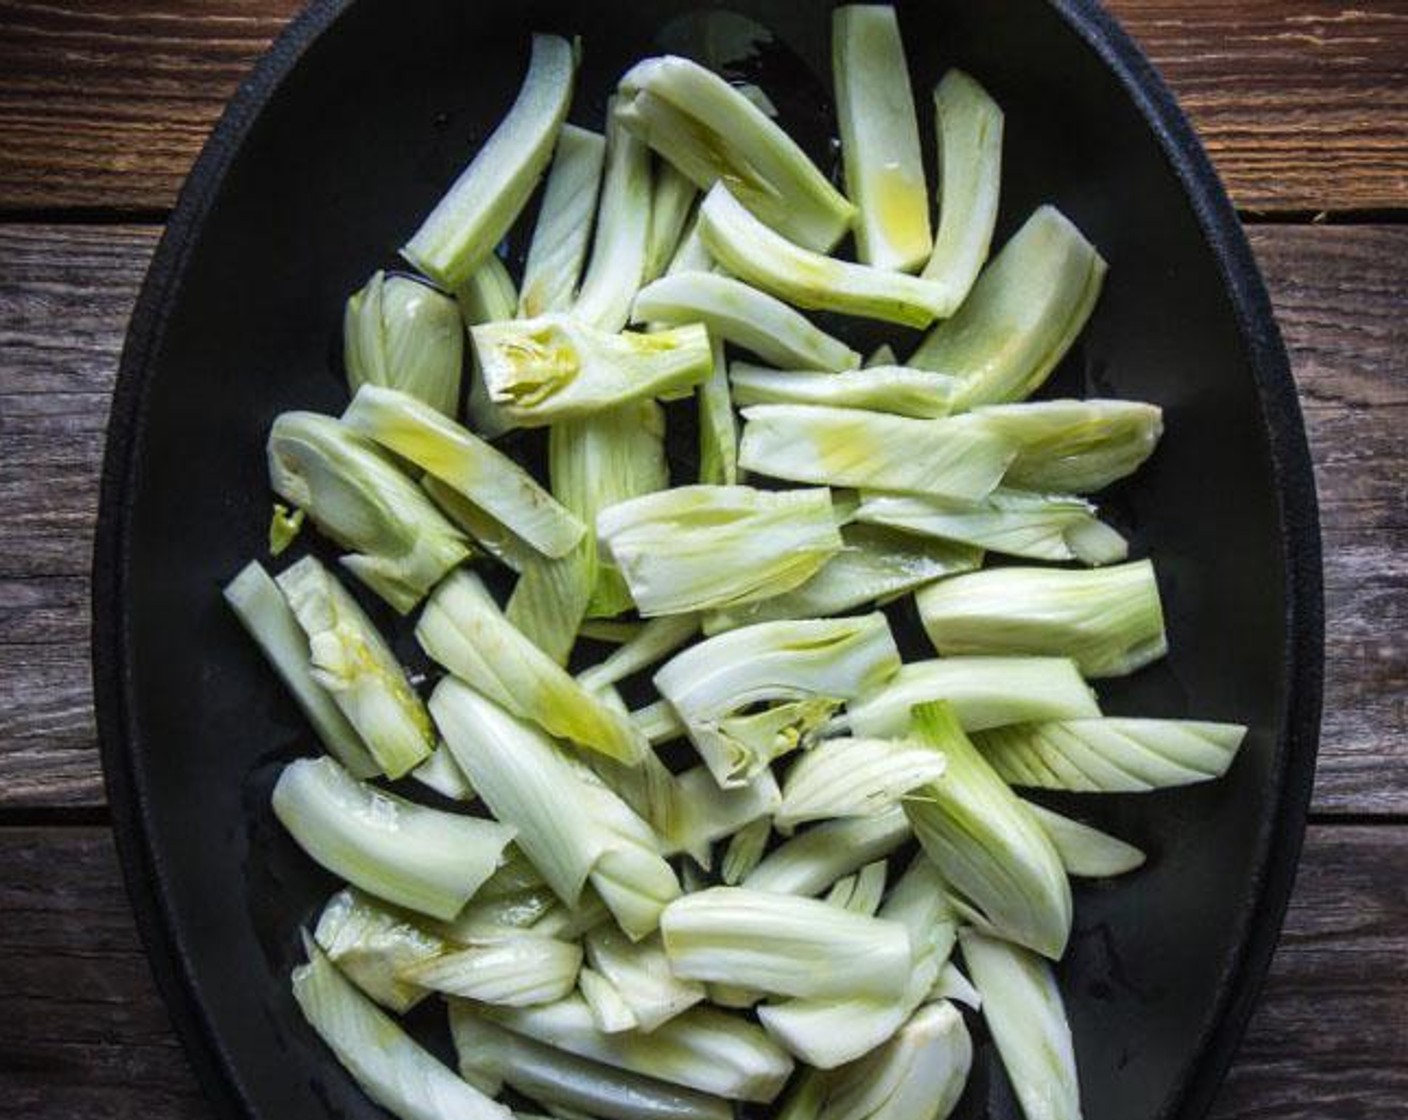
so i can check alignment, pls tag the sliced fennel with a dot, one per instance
(526, 781)
(265, 614)
(784, 944)
(852, 447)
(718, 426)
(745, 317)
(790, 661)
(598, 462)
(854, 778)
(440, 773)
(550, 600)
(392, 1069)
(859, 893)
(1109, 621)
(760, 256)
(1023, 1009)
(488, 296)
(513, 971)
(620, 247)
(705, 813)
(1026, 309)
(671, 204)
(695, 548)
(953, 985)
(371, 944)
(405, 335)
(874, 565)
(659, 722)
(482, 204)
(828, 1034)
(1086, 852)
(690, 254)
(493, 1054)
(879, 138)
(463, 629)
(641, 974)
(713, 134)
(485, 476)
(1076, 447)
(813, 860)
(998, 861)
(701, 1048)
(916, 393)
(1112, 755)
(543, 371)
(611, 631)
(420, 858)
(1013, 522)
(983, 692)
(656, 640)
(918, 1075)
(564, 225)
(610, 1013)
(745, 851)
(401, 544)
(968, 127)
(484, 529)
(349, 658)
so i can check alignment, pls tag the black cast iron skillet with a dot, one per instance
(326, 159)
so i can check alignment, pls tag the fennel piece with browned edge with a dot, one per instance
(411, 855)
(1022, 315)
(267, 618)
(968, 127)
(802, 662)
(950, 458)
(712, 133)
(745, 317)
(547, 370)
(463, 629)
(765, 259)
(563, 228)
(405, 335)
(487, 197)
(696, 548)
(879, 138)
(401, 545)
(480, 472)
(1109, 621)
(1001, 868)
(348, 657)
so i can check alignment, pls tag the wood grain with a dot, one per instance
(1303, 104)
(65, 293)
(83, 1033)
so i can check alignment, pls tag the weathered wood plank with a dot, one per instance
(105, 103)
(65, 293)
(83, 1033)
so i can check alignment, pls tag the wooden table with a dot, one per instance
(103, 105)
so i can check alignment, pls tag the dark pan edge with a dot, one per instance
(1280, 841)
(142, 867)
(1295, 494)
